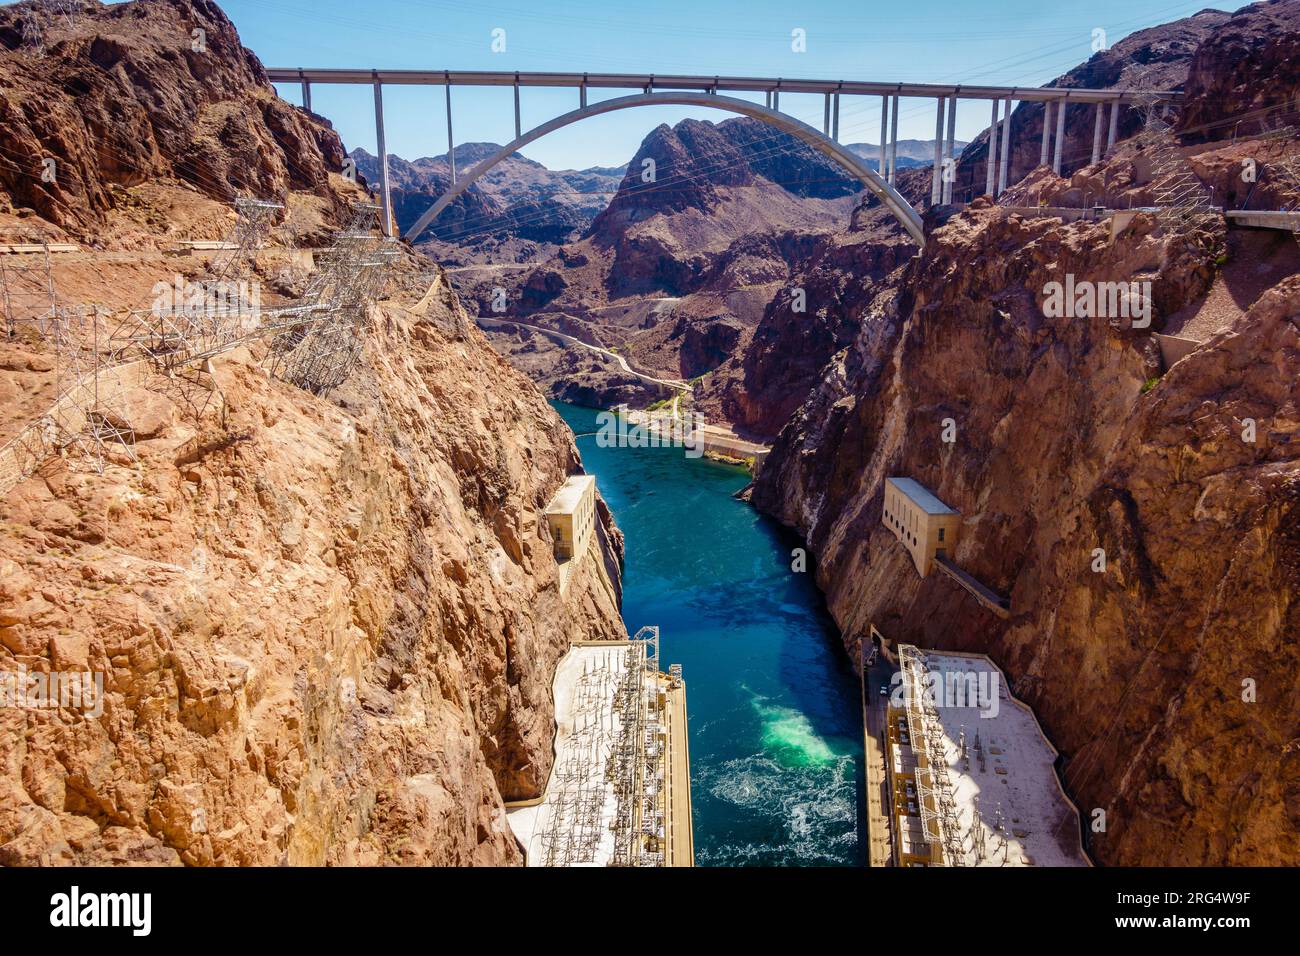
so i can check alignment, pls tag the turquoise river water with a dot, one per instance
(772, 704)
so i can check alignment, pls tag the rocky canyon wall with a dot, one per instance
(144, 92)
(1067, 439)
(326, 628)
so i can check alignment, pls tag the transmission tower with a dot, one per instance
(27, 292)
(40, 16)
(253, 223)
(1286, 169)
(90, 416)
(1179, 196)
(318, 355)
(205, 319)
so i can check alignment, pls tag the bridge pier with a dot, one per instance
(936, 184)
(1006, 146)
(1047, 132)
(826, 117)
(1096, 133)
(1060, 137)
(948, 173)
(884, 140)
(451, 142)
(990, 171)
(385, 196)
(518, 129)
(835, 123)
(306, 95)
(1114, 125)
(893, 137)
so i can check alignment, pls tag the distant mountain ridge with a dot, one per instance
(518, 197)
(911, 152)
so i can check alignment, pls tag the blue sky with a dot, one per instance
(996, 41)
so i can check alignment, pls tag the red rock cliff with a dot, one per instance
(1065, 444)
(327, 628)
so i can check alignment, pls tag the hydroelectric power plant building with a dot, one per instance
(619, 792)
(970, 775)
(571, 517)
(927, 527)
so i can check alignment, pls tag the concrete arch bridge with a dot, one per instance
(706, 91)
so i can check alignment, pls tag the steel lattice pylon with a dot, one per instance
(1180, 197)
(90, 416)
(27, 292)
(324, 332)
(209, 318)
(935, 796)
(40, 15)
(320, 354)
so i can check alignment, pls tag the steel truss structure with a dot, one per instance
(27, 292)
(1180, 197)
(607, 795)
(91, 416)
(319, 354)
(315, 343)
(40, 15)
(205, 319)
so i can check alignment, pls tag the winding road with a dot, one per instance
(673, 383)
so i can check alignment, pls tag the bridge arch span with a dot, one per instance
(892, 199)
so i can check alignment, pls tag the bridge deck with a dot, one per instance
(710, 84)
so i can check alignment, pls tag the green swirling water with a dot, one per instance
(775, 736)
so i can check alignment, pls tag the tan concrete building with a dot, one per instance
(927, 527)
(571, 515)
